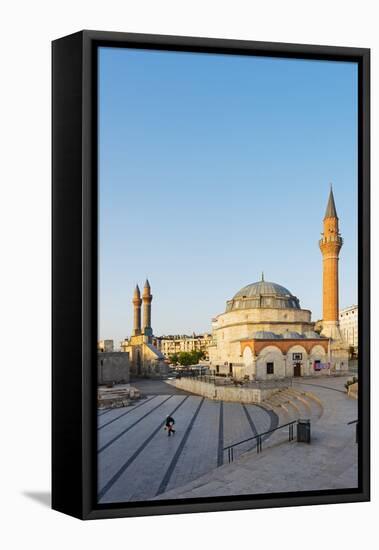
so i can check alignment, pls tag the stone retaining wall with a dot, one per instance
(112, 367)
(352, 390)
(225, 393)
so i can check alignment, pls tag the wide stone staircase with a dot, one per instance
(291, 404)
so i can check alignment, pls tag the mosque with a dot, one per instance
(145, 358)
(264, 334)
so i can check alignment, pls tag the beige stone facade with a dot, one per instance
(266, 343)
(105, 345)
(348, 319)
(288, 357)
(174, 344)
(145, 357)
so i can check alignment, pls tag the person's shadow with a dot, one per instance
(42, 497)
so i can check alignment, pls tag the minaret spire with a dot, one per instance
(331, 211)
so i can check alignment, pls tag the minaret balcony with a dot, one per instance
(331, 239)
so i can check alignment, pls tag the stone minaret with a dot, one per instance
(137, 311)
(147, 299)
(330, 246)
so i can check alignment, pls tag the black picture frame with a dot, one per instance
(74, 271)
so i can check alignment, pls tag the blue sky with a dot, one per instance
(214, 168)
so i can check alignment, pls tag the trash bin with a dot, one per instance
(303, 431)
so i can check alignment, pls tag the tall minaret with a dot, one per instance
(137, 311)
(330, 246)
(147, 299)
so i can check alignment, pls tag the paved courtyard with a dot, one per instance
(137, 461)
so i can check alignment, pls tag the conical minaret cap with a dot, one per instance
(146, 288)
(137, 292)
(331, 211)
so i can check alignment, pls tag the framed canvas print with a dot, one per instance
(210, 275)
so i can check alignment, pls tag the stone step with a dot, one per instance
(284, 411)
(311, 402)
(290, 405)
(286, 401)
(293, 410)
(279, 398)
(303, 409)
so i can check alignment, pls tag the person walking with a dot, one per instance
(169, 425)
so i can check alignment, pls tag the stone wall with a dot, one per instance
(352, 390)
(112, 368)
(105, 345)
(225, 393)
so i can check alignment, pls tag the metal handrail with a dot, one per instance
(259, 437)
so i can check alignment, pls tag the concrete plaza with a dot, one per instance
(137, 461)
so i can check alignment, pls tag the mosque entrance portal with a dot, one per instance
(297, 369)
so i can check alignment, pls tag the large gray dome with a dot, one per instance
(262, 288)
(263, 294)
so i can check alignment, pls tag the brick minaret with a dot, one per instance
(137, 311)
(330, 246)
(147, 298)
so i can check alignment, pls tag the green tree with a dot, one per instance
(174, 359)
(197, 355)
(185, 358)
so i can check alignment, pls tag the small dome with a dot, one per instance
(263, 294)
(291, 334)
(265, 335)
